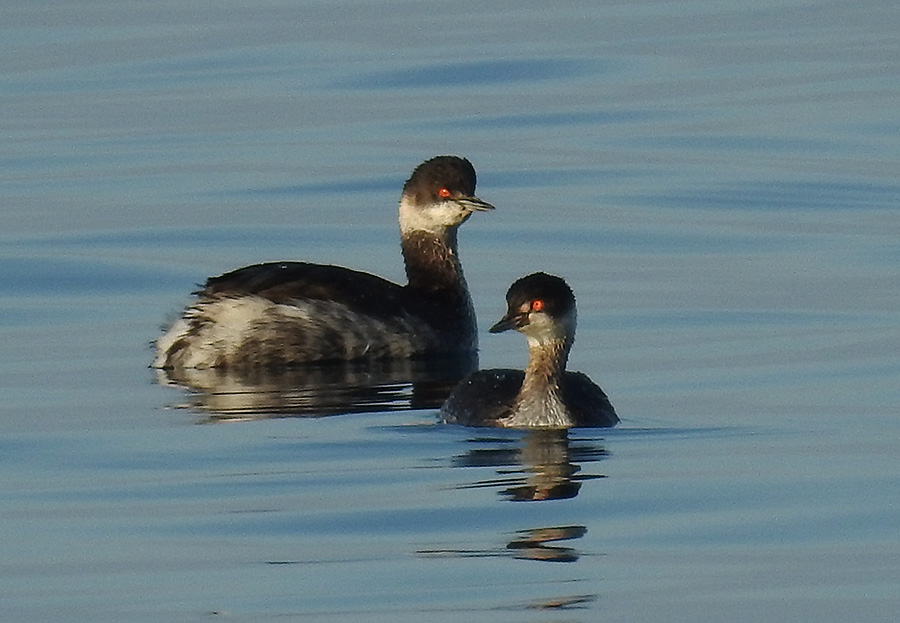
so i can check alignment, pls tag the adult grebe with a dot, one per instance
(285, 313)
(545, 395)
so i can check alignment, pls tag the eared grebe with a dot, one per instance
(285, 313)
(545, 395)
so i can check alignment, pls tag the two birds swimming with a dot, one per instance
(290, 313)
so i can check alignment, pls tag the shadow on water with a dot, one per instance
(314, 391)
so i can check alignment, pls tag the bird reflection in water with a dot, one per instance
(532, 465)
(542, 465)
(532, 544)
(318, 390)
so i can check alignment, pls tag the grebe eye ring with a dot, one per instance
(444, 193)
(537, 305)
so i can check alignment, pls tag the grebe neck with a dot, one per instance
(432, 262)
(546, 365)
(540, 402)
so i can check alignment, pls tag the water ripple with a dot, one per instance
(472, 73)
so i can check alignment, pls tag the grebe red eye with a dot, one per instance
(444, 192)
(537, 305)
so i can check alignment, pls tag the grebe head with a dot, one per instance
(541, 307)
(439, 196)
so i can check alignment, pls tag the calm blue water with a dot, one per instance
(717, 181)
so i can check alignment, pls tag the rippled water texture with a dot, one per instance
(717, 182)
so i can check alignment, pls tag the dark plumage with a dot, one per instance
(287, 313)
(544, 395)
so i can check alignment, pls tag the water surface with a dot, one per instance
(717, 181)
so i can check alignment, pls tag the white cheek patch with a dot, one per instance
(542, 329)
(433, 218)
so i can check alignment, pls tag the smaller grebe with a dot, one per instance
(287, 313)
(545, 395)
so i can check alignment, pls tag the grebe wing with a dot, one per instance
(483, 397)
(587, 401)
